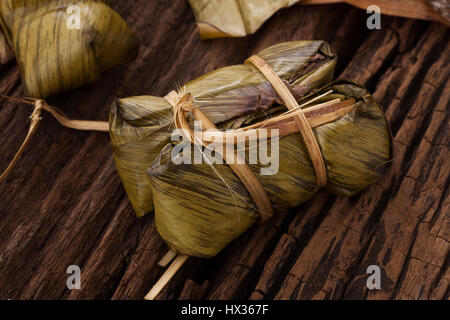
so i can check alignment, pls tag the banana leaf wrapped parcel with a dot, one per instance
(63, 44)
(201, 208)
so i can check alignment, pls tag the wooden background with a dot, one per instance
(64, 203)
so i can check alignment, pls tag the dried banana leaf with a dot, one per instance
(53, 57)
(238, 18)
(141, 126)
(231, 18)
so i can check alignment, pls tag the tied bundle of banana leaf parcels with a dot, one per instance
(63, 44)
(238, 18)
(201, 208)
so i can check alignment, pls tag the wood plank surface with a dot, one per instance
(64, 203)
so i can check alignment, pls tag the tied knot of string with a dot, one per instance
(183, 104)
(36, 115)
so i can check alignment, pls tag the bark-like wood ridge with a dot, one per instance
(64, 203)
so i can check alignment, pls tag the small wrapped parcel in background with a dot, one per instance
(52, 55)
(238, 18)
(196, 208)
(231, 18)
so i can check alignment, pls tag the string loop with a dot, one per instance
(305, 129)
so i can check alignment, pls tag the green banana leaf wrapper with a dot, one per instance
(140, 127)
(52, 55)
(231, 18)
(200, 210)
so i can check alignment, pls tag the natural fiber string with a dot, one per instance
(165, 278)
(36, 118)
(305, 129)
(286, 123)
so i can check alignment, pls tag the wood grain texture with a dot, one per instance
(64, 204)
(417, 9)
